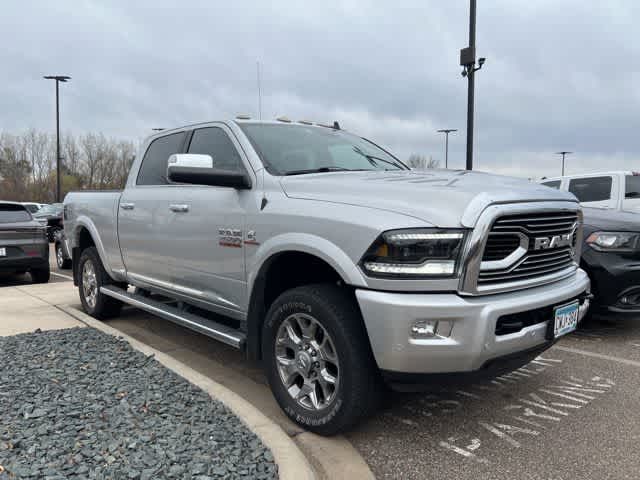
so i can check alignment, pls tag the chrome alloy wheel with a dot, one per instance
(89, 284)
(307, 361)
(59, 256)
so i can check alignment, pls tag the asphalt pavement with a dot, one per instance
(571, 413)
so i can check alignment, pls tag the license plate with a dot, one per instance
(3, 252)
(565, 319)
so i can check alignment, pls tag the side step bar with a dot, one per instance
(212, 329)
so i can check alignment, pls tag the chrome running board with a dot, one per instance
(218, 331)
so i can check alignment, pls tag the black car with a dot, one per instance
(611, 257)
(23, 243)
(51, 216)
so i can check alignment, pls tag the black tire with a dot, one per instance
(40, 275)
(359, 383)
(63, 263)
(104, 307)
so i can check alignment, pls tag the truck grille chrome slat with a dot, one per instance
(537, 261)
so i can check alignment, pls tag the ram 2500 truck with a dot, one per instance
(323, 256)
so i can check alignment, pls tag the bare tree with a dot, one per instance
(420, 162)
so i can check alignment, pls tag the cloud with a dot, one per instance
(558, 76)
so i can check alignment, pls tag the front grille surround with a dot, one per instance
(485, 272)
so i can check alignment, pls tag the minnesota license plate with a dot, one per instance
(3, 252)
(565, 319)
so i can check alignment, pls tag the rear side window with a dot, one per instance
(215, 142)
(632, 186)
(154, 164)
(552, 184)
(10, 213)
(592, 189)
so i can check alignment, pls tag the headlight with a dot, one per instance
(415, 253)
(614, 241)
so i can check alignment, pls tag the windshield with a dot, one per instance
(11, 213)
(53, 209)
(297, 149)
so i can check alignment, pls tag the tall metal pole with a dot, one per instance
(446, 131)
(57, 144)
(468, 61)
(58, 79)
(259, 92)
(471, 86)
(563, 153)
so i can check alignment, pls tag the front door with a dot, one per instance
(208, 228)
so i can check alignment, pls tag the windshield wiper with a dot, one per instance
(373, 159)
(323, 170)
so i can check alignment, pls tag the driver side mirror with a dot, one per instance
(197, 169)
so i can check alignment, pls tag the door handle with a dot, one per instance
(179, 207)
(127, 206)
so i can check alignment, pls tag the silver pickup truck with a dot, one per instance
(323, 256)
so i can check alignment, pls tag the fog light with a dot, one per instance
(431, 329)
(424, 329)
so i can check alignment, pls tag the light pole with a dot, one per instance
(446, 132)
(58, 79)
(563, 153)
(468, 61)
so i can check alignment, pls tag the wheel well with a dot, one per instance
(282, 272)
(85, 240)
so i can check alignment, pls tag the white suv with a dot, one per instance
(615, 190)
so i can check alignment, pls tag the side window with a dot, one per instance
(153, 170)
(215, 142)
(632, 186)
(592, 189)
(553, 184)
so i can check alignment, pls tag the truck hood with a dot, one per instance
(442, 198)
(612, 220)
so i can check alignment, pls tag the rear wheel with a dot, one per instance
(63, 263)
(318, 359)
(92, 276)
(40, 275)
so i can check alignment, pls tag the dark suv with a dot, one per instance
(23, 243)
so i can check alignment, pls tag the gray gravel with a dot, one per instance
(81, 404)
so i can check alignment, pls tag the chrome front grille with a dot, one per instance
(512, 232)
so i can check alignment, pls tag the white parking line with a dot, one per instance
(62, 275)
(602, 356)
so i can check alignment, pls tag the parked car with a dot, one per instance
(33, 207)
(332, 262)
(611, 257)
(611, 250)
(612, 190)
(50, 216)
(23, 243)
(63, 255)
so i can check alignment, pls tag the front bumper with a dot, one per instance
(473, 342)
(613, 276)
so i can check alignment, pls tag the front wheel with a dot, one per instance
(92, 276)
(318, 359)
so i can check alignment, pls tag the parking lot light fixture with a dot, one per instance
(446, 131)
(563, 153)
(58, 79)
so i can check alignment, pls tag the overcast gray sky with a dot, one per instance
(560, 74)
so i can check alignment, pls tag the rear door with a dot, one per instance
(144, 230)
(208, 231)
(599, 191)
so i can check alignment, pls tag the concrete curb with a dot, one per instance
(292, 464)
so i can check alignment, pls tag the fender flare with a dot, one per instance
(319, 247)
